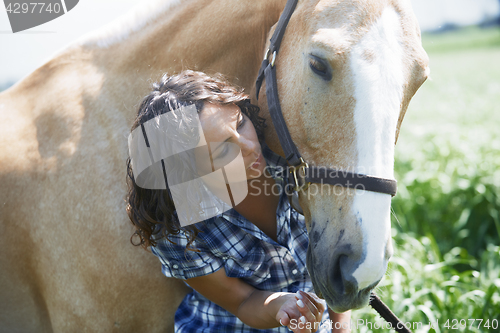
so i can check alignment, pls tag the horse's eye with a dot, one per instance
(320, 67)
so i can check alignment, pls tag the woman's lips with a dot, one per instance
(256, 163)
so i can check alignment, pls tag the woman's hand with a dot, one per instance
(302, 313)
(261, 309)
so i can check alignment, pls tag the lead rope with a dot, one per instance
(387, 314)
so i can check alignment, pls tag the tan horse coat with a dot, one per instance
(67, 264)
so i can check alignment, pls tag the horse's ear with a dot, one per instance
(404, 106)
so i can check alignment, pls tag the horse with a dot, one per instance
(346, 73)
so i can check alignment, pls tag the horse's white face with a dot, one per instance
(346, 73)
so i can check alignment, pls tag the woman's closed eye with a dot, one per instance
(225, 147)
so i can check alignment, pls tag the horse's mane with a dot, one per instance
(137, 18)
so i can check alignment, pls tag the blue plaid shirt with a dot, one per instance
(231, 241)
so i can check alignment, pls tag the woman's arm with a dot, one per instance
(257, 308)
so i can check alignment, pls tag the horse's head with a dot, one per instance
(346, 73)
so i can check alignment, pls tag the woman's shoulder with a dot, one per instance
(217, 239)
(210, 234)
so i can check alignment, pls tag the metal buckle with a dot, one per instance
(266, 57)
(274, 58)
(302, 166)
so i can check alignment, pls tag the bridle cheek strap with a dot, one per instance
(292, 154)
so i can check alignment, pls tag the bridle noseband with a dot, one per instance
(300, 173)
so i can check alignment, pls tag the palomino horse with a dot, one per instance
(346, 73)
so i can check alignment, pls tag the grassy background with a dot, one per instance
(446, 222)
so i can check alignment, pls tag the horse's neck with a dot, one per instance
(223, 36)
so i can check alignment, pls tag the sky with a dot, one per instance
(23, 52)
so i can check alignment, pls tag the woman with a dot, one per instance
(247, 264)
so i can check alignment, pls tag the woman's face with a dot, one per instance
(227, 124)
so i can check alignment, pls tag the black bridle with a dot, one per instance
(300, 173)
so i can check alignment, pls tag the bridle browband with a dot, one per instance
(300, 173)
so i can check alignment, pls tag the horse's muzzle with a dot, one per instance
(334, 282)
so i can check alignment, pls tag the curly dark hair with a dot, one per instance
(152, 212)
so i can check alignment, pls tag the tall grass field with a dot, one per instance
(445, 273)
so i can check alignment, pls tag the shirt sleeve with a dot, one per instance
(180, 263)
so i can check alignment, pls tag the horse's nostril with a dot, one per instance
(337, 279)
(337, 283)
(340, 284)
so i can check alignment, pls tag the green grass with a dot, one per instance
(446, 223)
(463, 39)
(423, 286)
